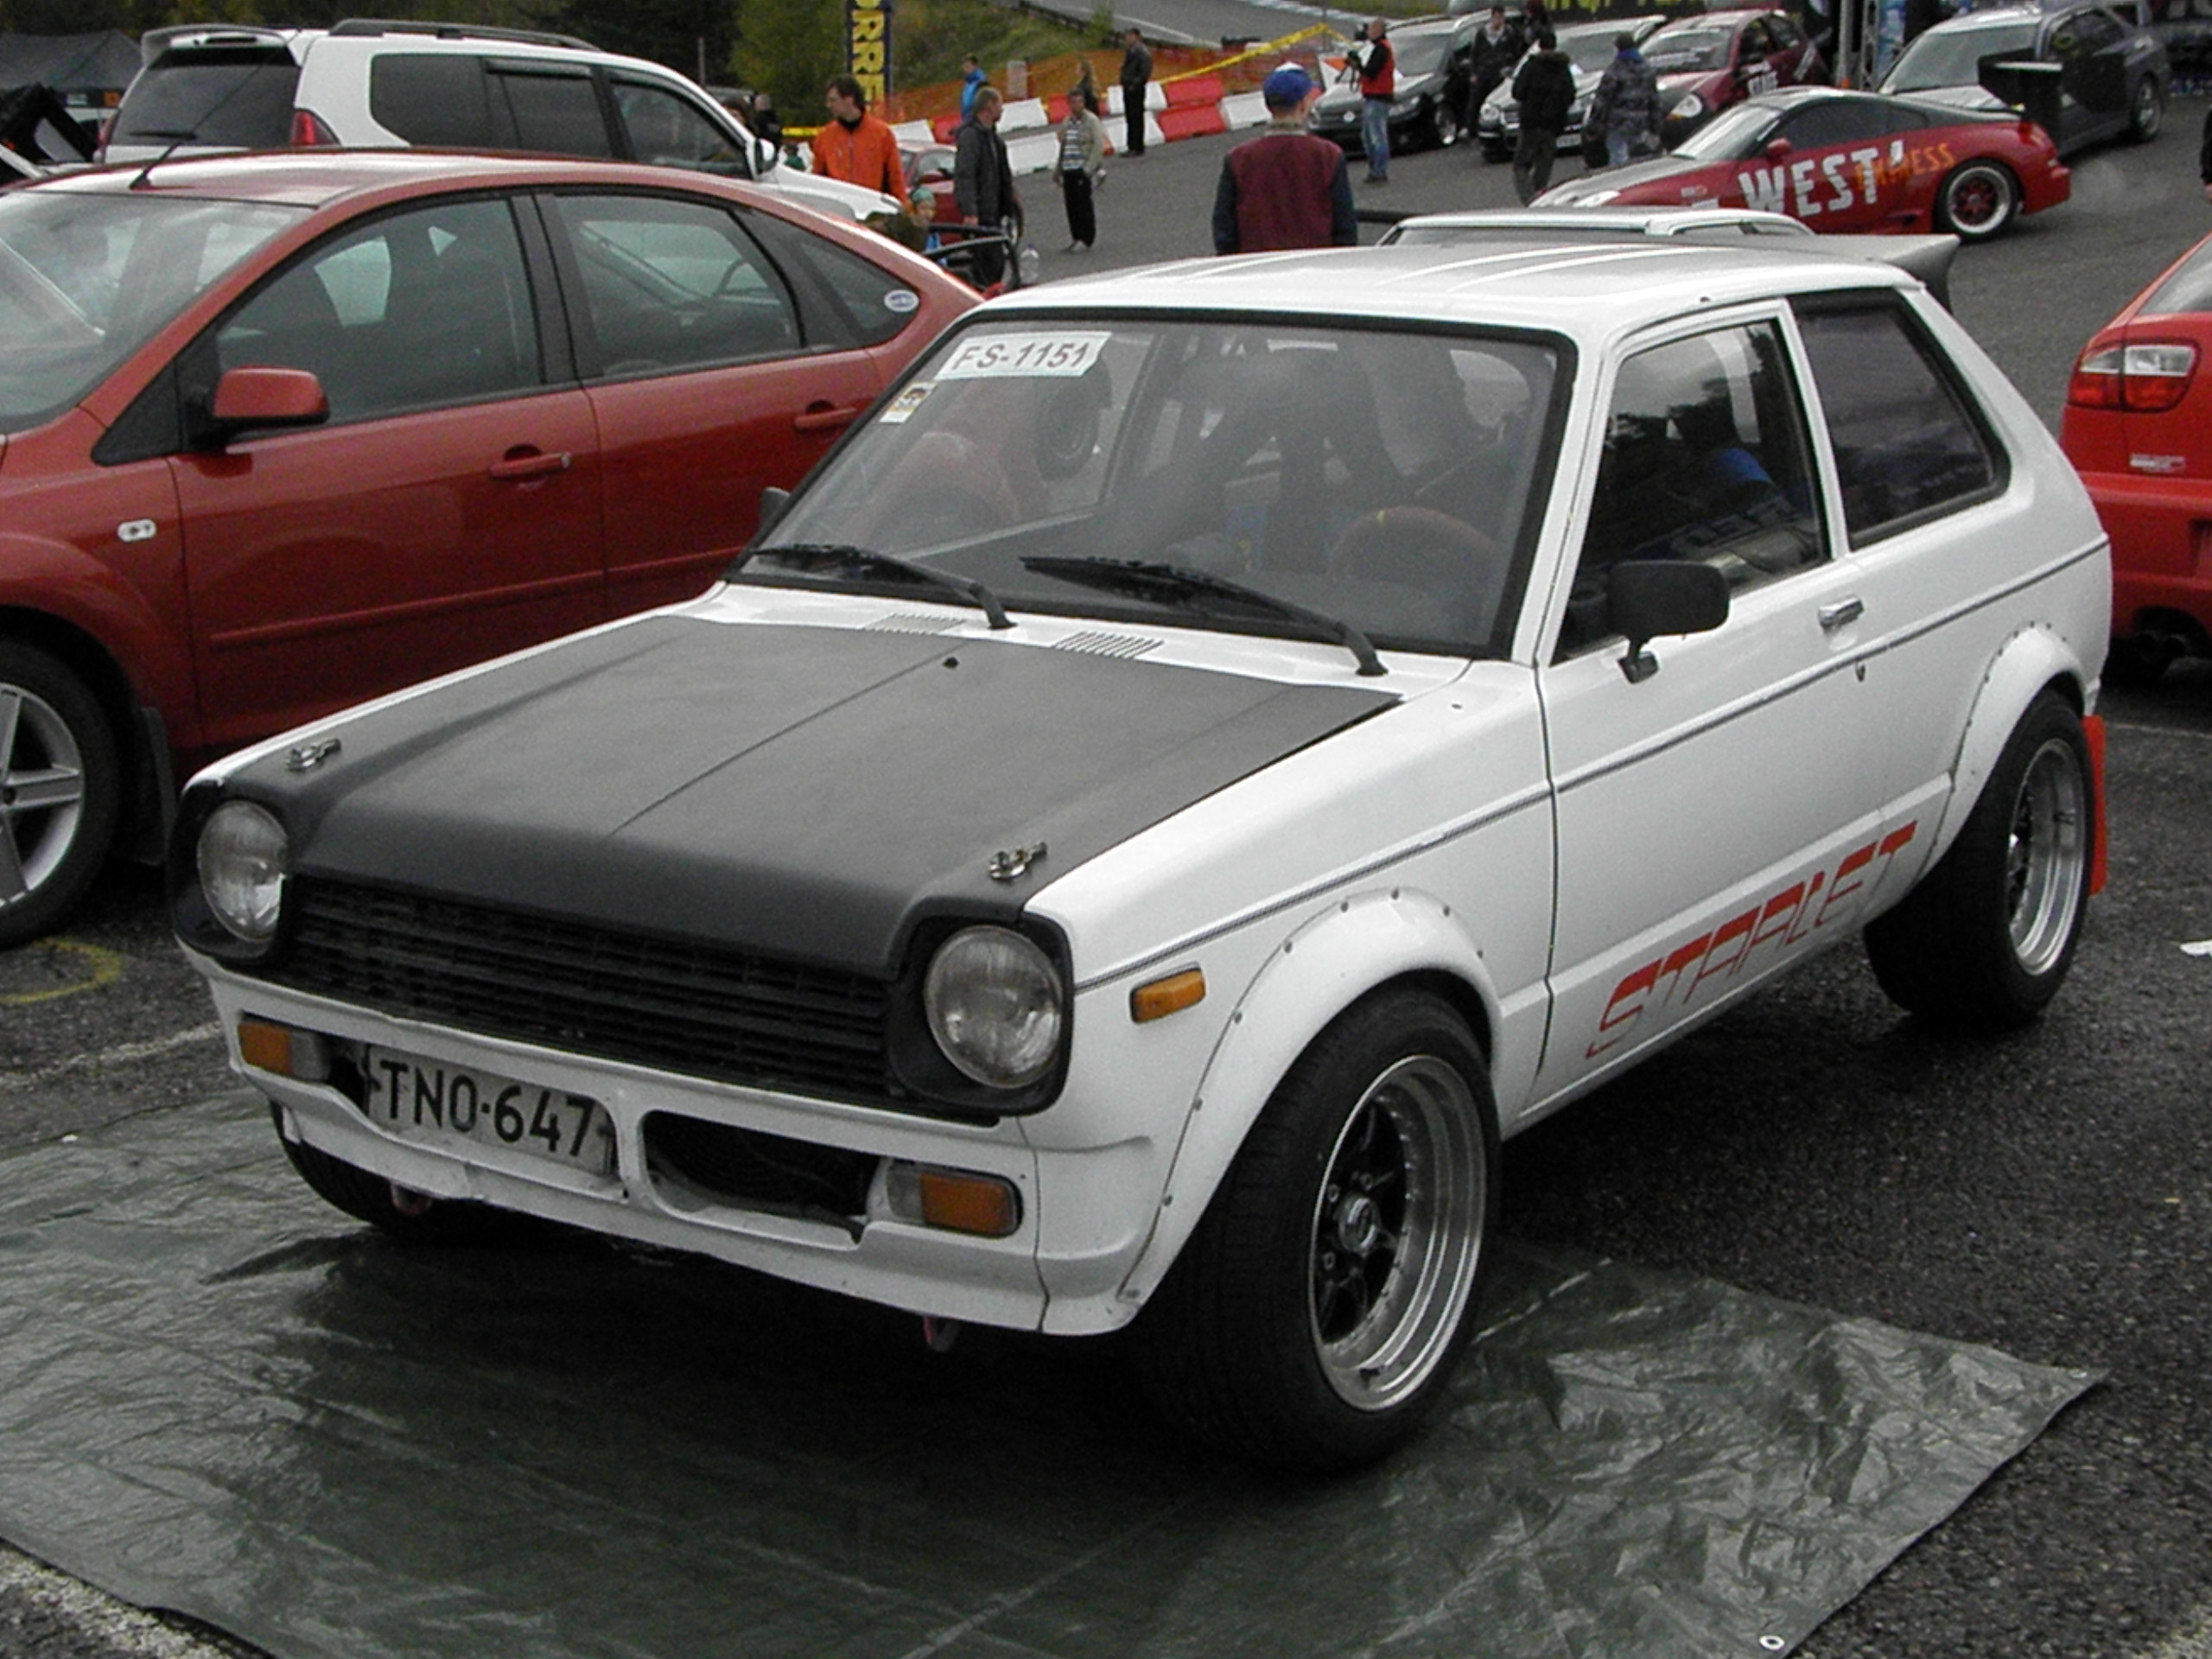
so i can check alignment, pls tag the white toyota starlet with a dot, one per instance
(1211, 752)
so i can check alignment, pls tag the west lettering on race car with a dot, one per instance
(1813, 185)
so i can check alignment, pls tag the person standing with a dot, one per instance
(1495, 50)
(1086, 88)
(1082, 158)
(857, 146)
(1378, 84)
(1625, 109)
(971, 82)
(982, 185)
(767, 132)
(1287, 188)
(1544, 88)
(1136, 75)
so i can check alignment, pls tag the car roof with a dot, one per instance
(312, 178)
(1627, 221)
(1570, 285)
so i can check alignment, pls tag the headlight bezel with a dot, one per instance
(920, 1064)
(195, 916)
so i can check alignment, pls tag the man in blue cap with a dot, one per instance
(1286, 188)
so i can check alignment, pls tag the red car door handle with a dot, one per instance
(530, 463)
(825, 417)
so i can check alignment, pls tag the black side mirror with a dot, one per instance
(1645, 598)
(772, 503)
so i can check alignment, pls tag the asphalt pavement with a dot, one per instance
(2049, 1193)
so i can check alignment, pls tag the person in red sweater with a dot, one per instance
(1287, 188)
(856, 146)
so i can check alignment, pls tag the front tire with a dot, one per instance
(2147, 112)
(60, 791)
(1977, 200)
(1312, 1319)
(1984, 940)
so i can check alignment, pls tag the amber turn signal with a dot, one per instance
(1170, 996)
(953, 1200)
(288, 1054)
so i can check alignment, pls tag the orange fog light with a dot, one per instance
(953, 1200)
(269, 1047)
(1169, 995)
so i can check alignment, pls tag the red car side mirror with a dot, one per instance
(1775, 149)
(264, 397)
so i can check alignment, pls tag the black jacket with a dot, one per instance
(1545, 91)
(982, 179)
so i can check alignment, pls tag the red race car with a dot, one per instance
(2139, 429)
(1844, 160)
(1712, 61)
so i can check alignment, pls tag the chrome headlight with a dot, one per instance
(1689, 109)
(995, 1006)
(244, 857)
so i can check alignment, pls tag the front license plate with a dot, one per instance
(421, 1100)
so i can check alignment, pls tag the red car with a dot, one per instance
(1842, 161)
(280, 433)
(2138, 426)
(1715, 60)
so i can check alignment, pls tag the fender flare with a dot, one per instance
(1332, 960)
(2030, 662)
(62, 587)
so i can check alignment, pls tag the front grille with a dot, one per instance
(760, 1171)
(701, 1010)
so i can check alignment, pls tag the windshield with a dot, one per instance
(1730, 134)
(1672, 51)
(1953, 58)
(1423, 54)
(1589, 49)
(233, 96)
(1383, 478)
(85, 279)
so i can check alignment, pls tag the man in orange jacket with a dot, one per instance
(856, 146)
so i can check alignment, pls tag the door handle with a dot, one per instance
(825, 417)
(1842, 611)
(530, 464)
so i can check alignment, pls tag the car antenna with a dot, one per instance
(193, 132)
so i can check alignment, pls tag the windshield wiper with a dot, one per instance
(1178, 584)
(816, 555)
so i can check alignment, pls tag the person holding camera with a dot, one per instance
(1376, 66)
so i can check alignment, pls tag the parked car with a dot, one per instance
(2138, 426)
(1428, 108)
(1713, 60)
(280, 433)
(1928, 258)
(1848, 162)
(1198, 765)
(372, 82)
(2113, 75)
(1589, 48)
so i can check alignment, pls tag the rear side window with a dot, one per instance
(668, 130)
(849, 301)
(238, 96)
(2188, 289)
(429, 97)
(1909, 445)
(557, 114)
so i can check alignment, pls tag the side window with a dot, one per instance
(2095, 30)
(670, 285)
(669, 130)
(849, 300)
(1843, 121)
(1785, 33)
(419, 309)
(432, 98)
(556, 113)
(1705, 458)
(1752, 44)
(1908, 446)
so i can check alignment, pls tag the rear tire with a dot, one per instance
(1977, 200)
(1312, 1320)
(2146, 111)
(60, 791)
(1983, 941)
(409, 1217)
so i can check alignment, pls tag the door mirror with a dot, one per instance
(772, 503)
(262, 400)
(1646, 598)
(1777, 149)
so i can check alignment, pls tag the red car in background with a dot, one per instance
(2138, 426)
(1713, 60)
(279, 433)
(1843, 161)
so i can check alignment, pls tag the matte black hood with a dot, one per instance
(808, 792)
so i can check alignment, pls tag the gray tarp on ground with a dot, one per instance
(216, 1395)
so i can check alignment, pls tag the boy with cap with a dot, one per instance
(1287, 188)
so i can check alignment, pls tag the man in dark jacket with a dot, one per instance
(1498, 46)
(982, 183)
(1625, 110)
(1136, 75)
(1287, 188)
(1544, 89)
